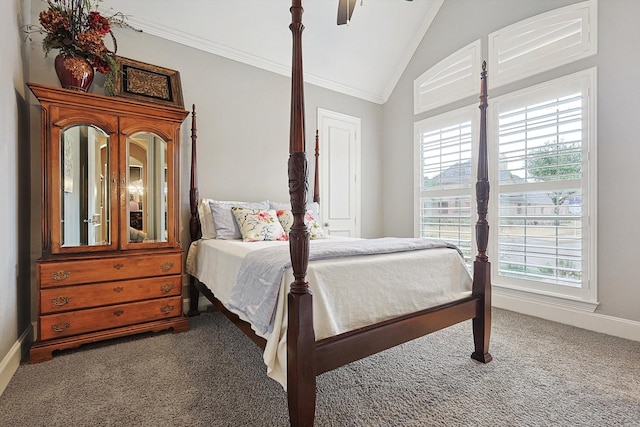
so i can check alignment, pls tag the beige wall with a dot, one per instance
(14, 190)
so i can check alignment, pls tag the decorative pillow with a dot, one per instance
(224, 221)
(313, 207)
(286, 219)
(257, 224)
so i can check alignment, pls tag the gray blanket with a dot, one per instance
(255, 293)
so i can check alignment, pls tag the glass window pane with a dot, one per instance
(540, 236)
(449, 219)
(446, 157)
(541, 142)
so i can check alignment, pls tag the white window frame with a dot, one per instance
(543, 42)
(465, 114)
(453, 78)
(585, 297)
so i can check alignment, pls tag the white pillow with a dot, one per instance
(206, 220)
(225, 224)
(258, 224)
(313, 207)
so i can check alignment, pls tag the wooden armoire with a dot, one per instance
(111, 264)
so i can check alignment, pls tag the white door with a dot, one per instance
(339, 138)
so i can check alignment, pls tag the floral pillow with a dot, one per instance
(226, 227)
(285, 217)
(257, 224)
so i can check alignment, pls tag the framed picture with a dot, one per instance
(146, 82)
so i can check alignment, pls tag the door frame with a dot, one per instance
(322, 115)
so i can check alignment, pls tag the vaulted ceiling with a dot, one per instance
(364, 59)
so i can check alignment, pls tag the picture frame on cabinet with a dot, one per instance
(147, 82)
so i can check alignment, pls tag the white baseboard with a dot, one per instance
(596, 322)
(9, 365)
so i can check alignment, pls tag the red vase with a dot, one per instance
(74, 72)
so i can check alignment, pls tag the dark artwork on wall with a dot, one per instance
(146, 82)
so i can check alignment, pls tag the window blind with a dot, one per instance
(445, 182)
(540, 197)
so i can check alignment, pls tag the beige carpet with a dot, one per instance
(543, 374)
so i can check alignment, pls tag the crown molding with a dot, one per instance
(249, 59)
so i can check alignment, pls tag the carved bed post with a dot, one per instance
(481, 265)
(194, 221)
(316, 180)
(301, 358)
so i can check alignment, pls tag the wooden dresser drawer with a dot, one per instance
(108, 269)
(96, 319)
(54, 300)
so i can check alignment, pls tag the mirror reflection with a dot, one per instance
(84, 202)
(147, 188)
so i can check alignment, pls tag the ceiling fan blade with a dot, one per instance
(345, 10)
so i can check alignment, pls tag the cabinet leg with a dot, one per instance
(37, 355)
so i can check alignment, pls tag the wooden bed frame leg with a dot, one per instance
(482, 323)
(481, 265)
(301, 358)
(194, 297)
(301, 342)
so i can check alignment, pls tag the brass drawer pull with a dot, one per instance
(118, 266)
(166, 266)
(118, 313)
(60, 301)
(166, 288)
(60, 275)
(167, 309)
(118, 289)
(60, 327)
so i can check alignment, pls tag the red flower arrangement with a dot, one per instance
(73, 28)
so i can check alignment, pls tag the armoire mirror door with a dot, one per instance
(147, 188)
(82, 189)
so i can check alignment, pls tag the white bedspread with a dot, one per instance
(256, 288)
(348, 293)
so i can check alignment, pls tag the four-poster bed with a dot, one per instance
(309, 353)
